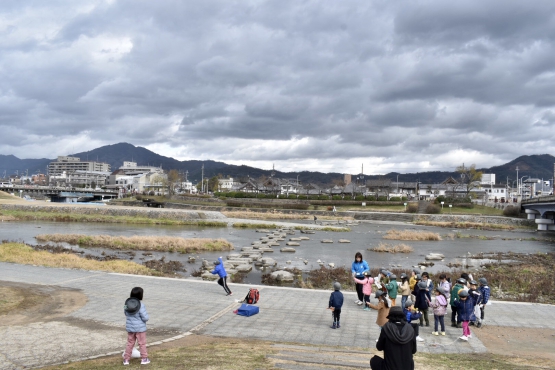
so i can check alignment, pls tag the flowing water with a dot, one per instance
(362, 237)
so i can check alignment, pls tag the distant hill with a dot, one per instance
(540, 166)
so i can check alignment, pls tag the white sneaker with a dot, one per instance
(469, 336)
(418, 339)
(377, 339)
(359, 303)
(464, 337)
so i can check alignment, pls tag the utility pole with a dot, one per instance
(202, 180)
(517, 185)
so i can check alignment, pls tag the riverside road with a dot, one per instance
(180, 307)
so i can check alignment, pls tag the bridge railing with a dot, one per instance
(545, 199)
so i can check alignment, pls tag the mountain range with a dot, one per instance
(537, 166)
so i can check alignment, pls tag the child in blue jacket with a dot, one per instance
(220, 270)
(484, 298)
(135, 324)
(465, 310)
(335, 304)
(412, 314)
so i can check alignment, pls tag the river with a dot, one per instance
(363, 236)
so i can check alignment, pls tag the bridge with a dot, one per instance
(542, 210)
(61, 194)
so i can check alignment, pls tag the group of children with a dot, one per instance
(467, 298)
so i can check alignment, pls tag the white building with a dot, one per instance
(225, 185)
(133, 178)
(487, 179)
(71, 164)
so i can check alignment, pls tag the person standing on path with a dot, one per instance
(392, 287)
(398, 343)
(135, 324)
(422, 302)
(358, 267)
(404, 289)
(439, 306)
(383, 307)
(366, 287)
(220, 270)
(335, 304)
(457, 288)
(484, 299)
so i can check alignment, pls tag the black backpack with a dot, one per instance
(253, 296)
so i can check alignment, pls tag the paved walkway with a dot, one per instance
(179, 307)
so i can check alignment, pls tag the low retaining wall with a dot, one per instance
(476, 219)
(118, 211)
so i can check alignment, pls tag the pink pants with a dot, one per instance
(466, 329)
(139, 337)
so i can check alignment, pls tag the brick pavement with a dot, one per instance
(181, 306)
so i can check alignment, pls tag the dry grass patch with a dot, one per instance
(389, 248)
(466, 225)
(218, 353)
(24, 254)
(411, 235)
(146, 243)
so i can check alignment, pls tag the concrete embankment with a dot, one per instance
(155, 213)
(497, 220)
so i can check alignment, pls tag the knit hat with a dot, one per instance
(403, 275)
(379, 293)
(461, 281)
(132, 305)
(440, 290)
(416, 271)
(473, 282)
(396, 314)
(336, 286)
(417, 277)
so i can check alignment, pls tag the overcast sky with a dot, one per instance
(306, 85)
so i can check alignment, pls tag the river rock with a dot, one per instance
(266, 250)
(344, 241)
(308, 231)
(286, 249)
(326, 241)
(282, 275)
(262, 231)
(273, 244)
(209, 276)
(292, 244)
(233, 255)
(255, 243)
(331, 264)
(295, 239)
(267, 261)
(305, 262)
(247, 249)
(434, 257)
(304, 238)
(243, 268)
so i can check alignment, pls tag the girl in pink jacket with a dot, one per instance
(439, 306)
(366, 287)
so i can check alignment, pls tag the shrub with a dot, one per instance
(382, 198)
(139, 197)
(412, 208)
(440, 199)
(511, 211)
(395, 199)
(330, 208)
(433, 209)
(403, 199)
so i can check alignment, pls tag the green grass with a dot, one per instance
(477, 210)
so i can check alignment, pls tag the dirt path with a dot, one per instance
(531, 343)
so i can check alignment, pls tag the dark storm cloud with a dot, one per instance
(426, 83)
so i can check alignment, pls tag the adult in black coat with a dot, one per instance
(398, 343)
